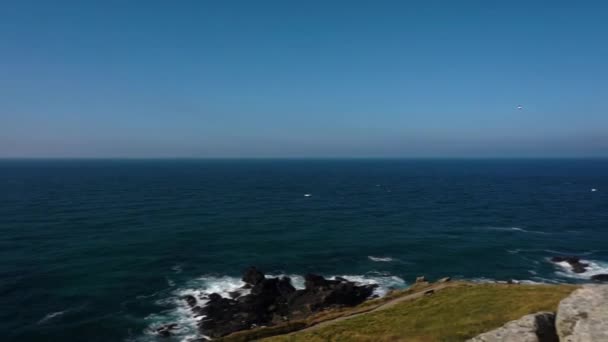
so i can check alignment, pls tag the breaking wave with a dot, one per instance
(380, 259)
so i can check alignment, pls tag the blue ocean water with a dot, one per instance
(101, 250)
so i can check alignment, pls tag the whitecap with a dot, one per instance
(379, 259)
(177, 269)
(516, 229)
(50, 316)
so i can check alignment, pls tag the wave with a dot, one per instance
(379, 259)
(595, 267)
(51, 316)
(515, 229)
(179, 312)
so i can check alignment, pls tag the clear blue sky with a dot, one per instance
(303, 78)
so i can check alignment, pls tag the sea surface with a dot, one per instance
(101, 250)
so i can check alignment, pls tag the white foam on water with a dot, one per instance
(379, 259)
(181, 313)
(595, 267)
(516, 229)
(50, 316)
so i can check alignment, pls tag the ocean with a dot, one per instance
(101, 250)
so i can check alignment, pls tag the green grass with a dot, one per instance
(451, 314)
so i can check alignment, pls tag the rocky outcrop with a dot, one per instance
(583, 316)
(574, 262)
(274, 300)
(538, 327)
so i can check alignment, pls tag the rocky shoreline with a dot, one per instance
(269, 301)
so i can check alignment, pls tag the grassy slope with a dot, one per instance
(452, 314)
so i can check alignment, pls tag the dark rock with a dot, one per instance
(214, 297)
(253, 276)
(191, 300)
(429, 292)
(574, 262)
(284, 287)
(313, 282)
(600, 277)
(234, 294)
(164, 333)
(275, 300)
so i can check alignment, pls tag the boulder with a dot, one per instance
(538, 327)
(583, 316)
(444, 280)
(420, 279)
(253, 276)
(600, 277)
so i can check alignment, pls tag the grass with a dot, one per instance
(452, 314)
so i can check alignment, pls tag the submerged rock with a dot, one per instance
(583, 316)
(538, 327)
(274, 300)
(165, 330)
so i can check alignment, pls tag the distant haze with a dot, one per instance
(303, 79)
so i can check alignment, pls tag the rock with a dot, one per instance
(420, 279)
(583, 316)
(234, 294)
(538, 327)
(444, 280)
(574, 262)
(275, 300)
(253, 276)
(600, 277)
(191, 300)
(429, 292)
(313, 282)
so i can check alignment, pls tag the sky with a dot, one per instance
(248, 79)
